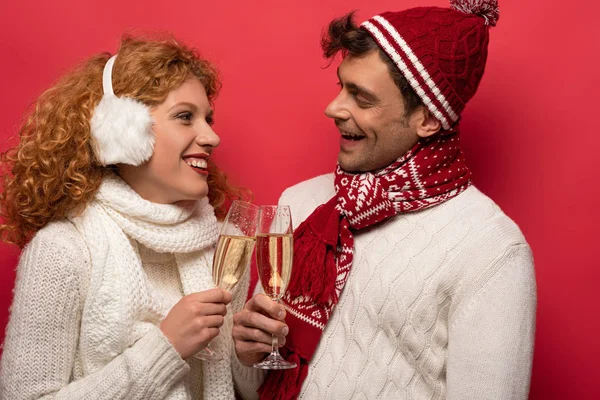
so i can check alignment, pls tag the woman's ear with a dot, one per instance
(425, 123)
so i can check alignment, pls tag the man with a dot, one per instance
(408, 282)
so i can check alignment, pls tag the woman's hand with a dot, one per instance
(195, 320)
(260, 318)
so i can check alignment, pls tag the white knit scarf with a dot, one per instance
(121, 305)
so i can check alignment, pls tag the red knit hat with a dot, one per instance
(440, 51)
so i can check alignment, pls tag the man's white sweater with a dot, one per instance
(439, 304)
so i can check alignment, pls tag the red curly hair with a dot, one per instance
(53, 173)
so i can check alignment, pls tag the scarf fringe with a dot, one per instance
(315, 243)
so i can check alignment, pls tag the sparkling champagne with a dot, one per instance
(274, 255)
(231, 259)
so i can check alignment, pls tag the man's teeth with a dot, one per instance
(350, 137)
(197, 163)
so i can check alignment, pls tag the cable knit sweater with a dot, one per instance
(439, 304)
(44, 354)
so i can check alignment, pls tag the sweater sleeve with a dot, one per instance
(40, 349)
(491, 336)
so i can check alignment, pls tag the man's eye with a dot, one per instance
(362, 103)
(357, 97)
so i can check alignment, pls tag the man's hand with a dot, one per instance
(253, 327)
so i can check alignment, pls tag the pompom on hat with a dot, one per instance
(440, 51)
(121, 127)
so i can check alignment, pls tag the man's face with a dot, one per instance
(369, 113)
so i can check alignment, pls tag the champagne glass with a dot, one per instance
(274, 255)
(233, 254)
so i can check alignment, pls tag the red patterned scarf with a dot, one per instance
(432, 172)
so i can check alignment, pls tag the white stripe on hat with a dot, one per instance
(391, 51)
(417, 63)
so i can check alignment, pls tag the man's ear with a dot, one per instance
(425, 123)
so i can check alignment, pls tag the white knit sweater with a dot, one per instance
(439, 304)
(43, 352)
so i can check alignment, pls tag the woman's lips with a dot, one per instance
(198, 163)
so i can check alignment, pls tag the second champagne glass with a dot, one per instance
(274, 255)
(233, 254)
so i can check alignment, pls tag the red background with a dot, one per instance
(529, 133)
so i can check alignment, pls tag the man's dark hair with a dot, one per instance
(343, 35)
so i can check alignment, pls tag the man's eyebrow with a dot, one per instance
(364, 92)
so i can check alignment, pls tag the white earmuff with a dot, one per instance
(121, 127)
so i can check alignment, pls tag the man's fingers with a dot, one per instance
(252, 347)
(243, 347)
(264, 305)
(251, 334)
(256, 346)
(259, 321)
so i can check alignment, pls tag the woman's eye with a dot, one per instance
(184, 116)
(210, 121)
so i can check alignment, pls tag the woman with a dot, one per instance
(113, 194)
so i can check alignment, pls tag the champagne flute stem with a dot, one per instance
(274, 344)
(275, 338)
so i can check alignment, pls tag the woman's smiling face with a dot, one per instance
(177, 170)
